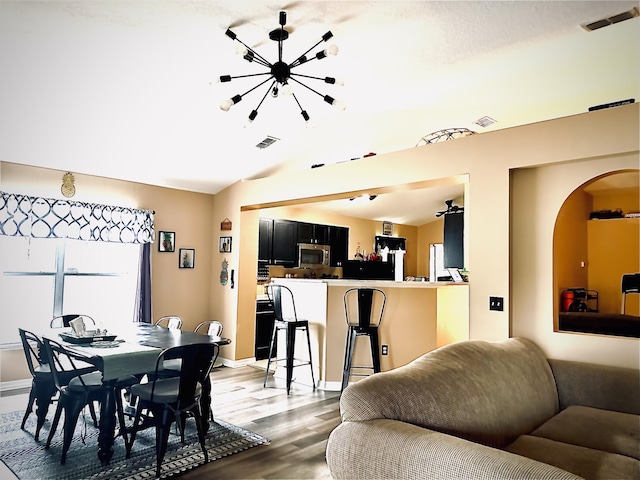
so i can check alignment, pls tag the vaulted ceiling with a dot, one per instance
(127, 89)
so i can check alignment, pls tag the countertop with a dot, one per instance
(364, 283)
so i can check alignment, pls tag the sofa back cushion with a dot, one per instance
(486, 392)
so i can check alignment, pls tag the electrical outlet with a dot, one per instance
(496, 303)
(385, 349)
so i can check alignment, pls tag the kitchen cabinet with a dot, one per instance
(265, 318)
(453, 240)
(284, 243)
(313, 233)
(339, 242)
(265, 240)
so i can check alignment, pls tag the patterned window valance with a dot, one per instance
(24, 216)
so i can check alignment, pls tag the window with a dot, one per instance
(44, 277)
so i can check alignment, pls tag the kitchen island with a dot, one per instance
(419, 317)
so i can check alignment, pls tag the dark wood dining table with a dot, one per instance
(135, 353)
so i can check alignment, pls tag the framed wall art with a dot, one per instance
(387, 228)
(225, 245)
(187, 258)
(166, 241)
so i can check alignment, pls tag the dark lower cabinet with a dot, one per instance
(265, 318)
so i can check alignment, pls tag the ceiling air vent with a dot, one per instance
(267, 142)
(485, 121)
(605, 22)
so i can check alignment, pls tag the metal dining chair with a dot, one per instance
(172, 322)
(43, 387)
(210, 327)
(161, 401)
(75, 391)
(63, 320)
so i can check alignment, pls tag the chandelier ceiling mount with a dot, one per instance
(280, 73)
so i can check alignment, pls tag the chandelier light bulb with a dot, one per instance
(339, 104)
(340, 81)
(332, 50)
(241, 50)
(287, 89)
(226, 104)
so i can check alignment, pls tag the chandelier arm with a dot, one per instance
(259, 61)
(325, 79)
(303, 112)
(265, 95)
(306, 86)
(255, 54)
(244, 76)
(301, 59)
(259, 85)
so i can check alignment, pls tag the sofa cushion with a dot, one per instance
(588, 463)
(486, 392)
(606, 430)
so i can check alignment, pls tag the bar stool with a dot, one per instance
(359, 307)
(291, 325)
(630, 284)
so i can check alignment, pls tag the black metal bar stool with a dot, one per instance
(291, 325)
(361, 321)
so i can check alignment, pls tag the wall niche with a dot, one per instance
(596, 242)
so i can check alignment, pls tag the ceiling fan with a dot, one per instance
(451, 208)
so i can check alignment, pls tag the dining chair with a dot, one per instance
(75, 390)
(161, 401)
(63, 320)
(74, 395)
(171, 322)
(210, 327)
(43, 388)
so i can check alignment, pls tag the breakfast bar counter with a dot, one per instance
(419, 317)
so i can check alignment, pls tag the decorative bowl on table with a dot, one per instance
(90, 336)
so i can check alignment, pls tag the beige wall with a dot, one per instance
(494, 227)
(183, 292)
(508, 223)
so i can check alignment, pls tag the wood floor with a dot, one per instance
(297, 425)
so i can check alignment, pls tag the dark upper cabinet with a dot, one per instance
(284, 243)
(453, 240)
(339, 242)
(313, 233)
(265, 242)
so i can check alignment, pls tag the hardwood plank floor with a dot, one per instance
(297, 425)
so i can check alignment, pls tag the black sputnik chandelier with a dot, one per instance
(280, 73)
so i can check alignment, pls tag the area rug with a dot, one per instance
(29, 460)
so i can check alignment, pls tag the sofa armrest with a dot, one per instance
(391, 449)
(598, 386)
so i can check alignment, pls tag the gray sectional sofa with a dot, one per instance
(487, 410)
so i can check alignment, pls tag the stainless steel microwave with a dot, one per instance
(311, 255)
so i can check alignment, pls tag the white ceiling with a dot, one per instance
(127, 89)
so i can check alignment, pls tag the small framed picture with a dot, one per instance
(387, 228)
(166, 241)
(187, 258)
(225, 245)
(455, 274)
